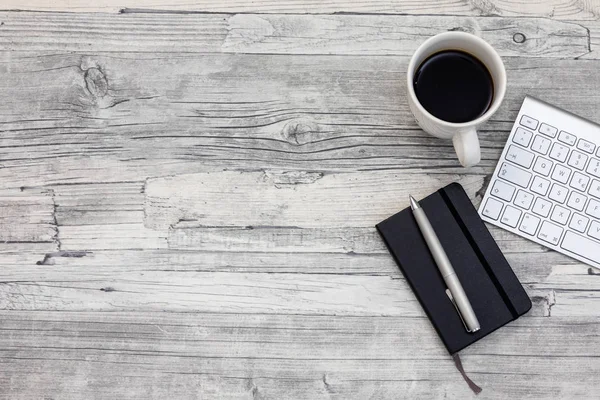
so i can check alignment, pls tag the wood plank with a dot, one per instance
(550, 269)
(212, 292)
(290, 333)
(282, 34)
(121, 289)
(241, 355)
(348, 240)
(530, 268)
(558, 9)
(27, 216)
(288, 199)
(542, 277)
(120, 236)
(359, 121)
(278, 379)
(376, 35)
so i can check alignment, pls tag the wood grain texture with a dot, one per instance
(140, 126)
(283, 34)
(558, 9)
(572, 11)
(188, 200)
(27, 216)
(289, 199)
(141, 355)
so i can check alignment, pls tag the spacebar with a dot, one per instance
(581, 245)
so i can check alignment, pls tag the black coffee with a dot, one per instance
(454, 86)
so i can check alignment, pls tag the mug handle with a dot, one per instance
(466, 145)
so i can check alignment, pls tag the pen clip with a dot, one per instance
(449, 294)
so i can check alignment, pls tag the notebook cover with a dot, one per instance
(495, 292)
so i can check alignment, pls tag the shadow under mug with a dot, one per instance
(463, 135)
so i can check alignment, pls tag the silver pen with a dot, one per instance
(454, 289)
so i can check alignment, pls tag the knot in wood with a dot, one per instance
(519, 38)
(95, 82)
(299, 131)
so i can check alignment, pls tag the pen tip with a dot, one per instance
(413, 203)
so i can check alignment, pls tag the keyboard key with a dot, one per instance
(540, 144)
(586, 146)
(577, 160)
(558, 193)
(579, 222)
(519, 156)
(595, 231)
(576, 201)
(511, 216)
(581, 246)
(523, 199)
(567, 138)
(548, 130)
(503, 190)
(561, 173)
(594, 167)
(540, 185)
(593, 208)
(529, 122)
(560, 215)
(559, 152)
(522, 137)
(550, 232)
(541, 207)
(515, 175)
(529, 224)
(492, 208)
(579, 181)
(543, 166)
(595, 188)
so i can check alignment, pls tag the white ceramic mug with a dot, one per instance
(463, 135)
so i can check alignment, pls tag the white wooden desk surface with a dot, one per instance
(188, 196)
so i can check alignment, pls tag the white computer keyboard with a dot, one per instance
(546, 186)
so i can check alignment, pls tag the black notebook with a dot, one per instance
(495, 292)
